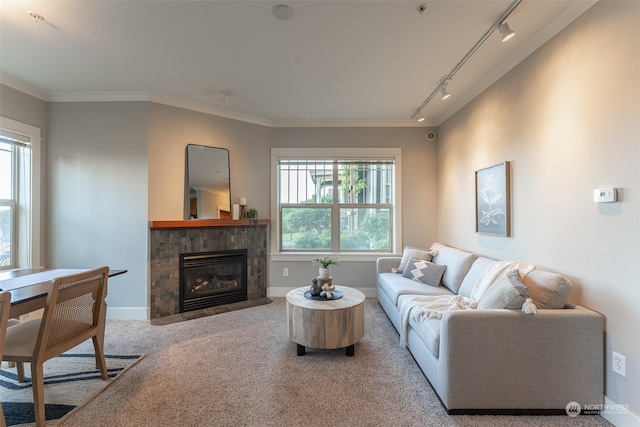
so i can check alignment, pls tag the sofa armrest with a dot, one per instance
(385, 264)
(543, 361)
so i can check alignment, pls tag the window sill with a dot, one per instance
(342, 256)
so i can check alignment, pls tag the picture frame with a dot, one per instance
(493, 200)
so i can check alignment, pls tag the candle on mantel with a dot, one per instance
(243, 201)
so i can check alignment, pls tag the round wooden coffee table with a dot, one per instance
(327, 324)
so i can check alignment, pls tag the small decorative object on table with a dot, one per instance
(327, 290)
(316, 288)
(322, 287)
(325, 262)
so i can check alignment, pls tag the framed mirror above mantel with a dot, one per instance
(207, 193)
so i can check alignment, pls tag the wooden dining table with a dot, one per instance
(29, 286)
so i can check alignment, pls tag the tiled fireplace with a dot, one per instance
(168, 240)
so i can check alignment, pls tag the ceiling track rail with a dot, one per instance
(479, 43)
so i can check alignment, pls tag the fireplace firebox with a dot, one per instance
(209, 279)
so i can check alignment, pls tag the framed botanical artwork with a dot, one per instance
(493, 212)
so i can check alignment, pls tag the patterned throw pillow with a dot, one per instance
(411, 252)
(424, 271)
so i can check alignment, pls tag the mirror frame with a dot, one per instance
(223, 214)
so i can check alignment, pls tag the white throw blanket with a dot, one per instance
(496, 270)
(430, 307)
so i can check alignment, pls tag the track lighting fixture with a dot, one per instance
(444, 92)
(505, 32)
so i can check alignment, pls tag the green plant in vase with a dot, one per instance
(252, 216)
(325, 262)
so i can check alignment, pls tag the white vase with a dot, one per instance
(324, 273)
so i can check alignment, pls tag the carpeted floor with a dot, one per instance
(241, 369)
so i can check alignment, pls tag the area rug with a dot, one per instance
(70, 381)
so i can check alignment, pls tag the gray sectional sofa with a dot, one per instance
(493, 360)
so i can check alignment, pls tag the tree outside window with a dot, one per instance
(313, 219)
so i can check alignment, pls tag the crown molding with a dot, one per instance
(23, 87)
(207, 109)
(335, 123)
(132, 96)
(97, 96)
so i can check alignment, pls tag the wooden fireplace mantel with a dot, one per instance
(200, 223)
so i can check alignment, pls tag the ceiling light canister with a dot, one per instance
(505, 32)
(282, 12)
(35, 16)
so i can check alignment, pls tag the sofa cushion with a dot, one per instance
(506, 292)
(458, 263)
(548, 290)
(427, 330)
(424, 271)
(411, 252)
(395, 285)
(476, 270)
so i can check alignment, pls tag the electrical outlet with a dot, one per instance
(285, 272)
(618, 363)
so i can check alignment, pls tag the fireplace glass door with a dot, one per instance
(210, 279)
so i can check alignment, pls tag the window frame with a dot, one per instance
(393, 154)
(27, 210)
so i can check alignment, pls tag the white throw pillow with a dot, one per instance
(507, 292)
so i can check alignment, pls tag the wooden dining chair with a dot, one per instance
(72, 315)
(5, 307)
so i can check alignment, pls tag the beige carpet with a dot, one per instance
(241, 369)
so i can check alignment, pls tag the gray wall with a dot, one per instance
(568, 118)
(97, 191)
(172, 129)
(418, 192)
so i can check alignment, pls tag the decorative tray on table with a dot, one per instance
(336, 295)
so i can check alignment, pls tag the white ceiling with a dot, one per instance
(334, 63)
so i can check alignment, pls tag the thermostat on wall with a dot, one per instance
(605, 195)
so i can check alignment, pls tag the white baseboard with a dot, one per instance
(128, 313)
(277, 291)
(619, 414)
(143, 313)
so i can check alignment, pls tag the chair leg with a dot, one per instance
(3, 423)
(20, 369)
(100, 362)
(37, 383)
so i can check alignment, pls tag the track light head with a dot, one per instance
(444, 92)
(505, 32)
